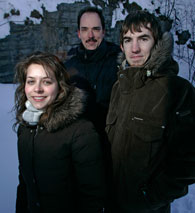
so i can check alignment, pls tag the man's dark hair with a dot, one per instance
(91, 10)
(141, 18)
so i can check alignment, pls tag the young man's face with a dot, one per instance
(137, 46)
(90, 32)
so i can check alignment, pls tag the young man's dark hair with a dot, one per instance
(91, 10)
(137, 19)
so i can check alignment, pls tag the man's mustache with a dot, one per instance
(91, 39)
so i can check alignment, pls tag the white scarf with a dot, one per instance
(31, 114)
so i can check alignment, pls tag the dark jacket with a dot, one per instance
(60, 163)
(150, 124)
(95, 71)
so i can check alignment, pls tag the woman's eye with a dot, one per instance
(30, 82)
(47, 82)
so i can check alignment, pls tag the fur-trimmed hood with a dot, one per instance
(68, 112)
(161, 53)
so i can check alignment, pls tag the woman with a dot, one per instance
(60, 160)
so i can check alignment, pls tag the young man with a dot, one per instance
(93, 65)
(151, 121)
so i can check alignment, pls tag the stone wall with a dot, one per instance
(56, 33)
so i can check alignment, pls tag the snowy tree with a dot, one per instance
(180, 17)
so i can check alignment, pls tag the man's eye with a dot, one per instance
(97, 29)
(126, 41)
(83, 29)
(144, 39)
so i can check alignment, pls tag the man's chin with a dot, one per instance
(136, 63)
(91, 47)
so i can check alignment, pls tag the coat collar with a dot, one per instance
(68, 112)
(104, 50)
(92, 55)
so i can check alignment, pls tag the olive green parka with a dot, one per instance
(150, 125)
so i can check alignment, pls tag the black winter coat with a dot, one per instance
(150, 125)
(95, 71)
(60, 163)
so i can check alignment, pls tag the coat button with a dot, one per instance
(121, 75)
(148, 73)
(37, 204)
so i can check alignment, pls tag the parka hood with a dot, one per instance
(68, 112)
(161, 54)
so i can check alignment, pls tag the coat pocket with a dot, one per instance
(147, 131)
(147, 138)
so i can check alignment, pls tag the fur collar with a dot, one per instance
(161, 53)
(67, 113)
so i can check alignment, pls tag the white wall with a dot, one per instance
(8, 152)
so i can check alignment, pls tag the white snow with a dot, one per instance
(25, 7)
(8, 151)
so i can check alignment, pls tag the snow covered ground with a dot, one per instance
(9, 160)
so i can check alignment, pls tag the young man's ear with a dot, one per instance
(121, 46)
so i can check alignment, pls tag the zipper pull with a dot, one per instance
(36, 131)
(136, 118)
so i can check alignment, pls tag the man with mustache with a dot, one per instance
(93, 67)
(93, 64)
(151, 121)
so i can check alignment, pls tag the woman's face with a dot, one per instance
(41, 88)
